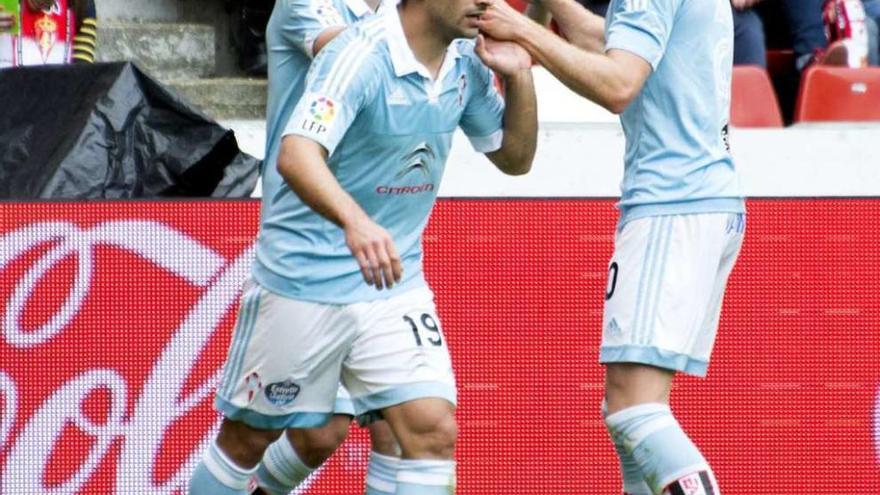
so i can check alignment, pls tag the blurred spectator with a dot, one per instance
(248, 20)
(847, 30)
(749, 47)
(872, 10)
(798, 25)
(39, 32)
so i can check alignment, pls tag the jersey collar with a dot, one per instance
(359, 7)
(402, 57)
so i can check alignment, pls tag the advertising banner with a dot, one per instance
(115, 319)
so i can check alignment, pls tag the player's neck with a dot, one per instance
(427, 43)
(374, 4)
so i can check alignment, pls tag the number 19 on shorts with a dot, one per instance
(425, 329)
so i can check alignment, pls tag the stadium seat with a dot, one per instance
(753, 101)
(838, 94)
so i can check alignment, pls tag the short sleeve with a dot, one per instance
(300, 22)
(642, 27)
(341, 79)
(483, 117)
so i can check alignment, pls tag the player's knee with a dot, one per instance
(631, 384)
(316, 445)
(434, 439)
(243, 444)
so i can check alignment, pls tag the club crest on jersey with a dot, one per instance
(282, 393)
(462, 86)
(328, 14)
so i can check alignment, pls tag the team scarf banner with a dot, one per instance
(38, 37)
(116, 317)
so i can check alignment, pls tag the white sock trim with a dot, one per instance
(281, 458)
(385, 460)
(635, 411)
(415, 478)
(226, 471)
(381, 485)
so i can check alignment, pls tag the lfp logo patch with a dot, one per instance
(323, 109)
(282, 393)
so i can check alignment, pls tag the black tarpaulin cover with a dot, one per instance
(109, 131)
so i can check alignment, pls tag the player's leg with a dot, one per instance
(290, 460)
(661, 318)
(228, 466)
(267, 388)
(630, 472)
(297, 453)
(384, 460)
(427, 432)
(400, 365)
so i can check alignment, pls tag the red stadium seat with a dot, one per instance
(753, 101)
(839, 94)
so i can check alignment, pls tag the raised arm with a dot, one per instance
(520, 130)
(581, 27)
(611, 79)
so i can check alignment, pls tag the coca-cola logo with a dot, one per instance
(137, 416)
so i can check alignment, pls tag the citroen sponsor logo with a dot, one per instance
(417, 162)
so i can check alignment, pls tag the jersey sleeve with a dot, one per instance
(341, 79)
(483, 118)
(642, 27)
(302, 21)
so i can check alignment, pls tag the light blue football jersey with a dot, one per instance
(387, 127)
(290, 36)
(677, 155)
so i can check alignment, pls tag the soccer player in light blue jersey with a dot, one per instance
(297, 31)
(338, 288)
(665, 66)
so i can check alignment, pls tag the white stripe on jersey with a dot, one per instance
(350, 59)
(636, 4)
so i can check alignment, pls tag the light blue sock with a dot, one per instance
(633, 480)
(662, 450)
(421, 477)
(381, 474)
(217, 475)
(281, 470)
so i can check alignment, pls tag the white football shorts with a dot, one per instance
(287, 358)
(666, 282)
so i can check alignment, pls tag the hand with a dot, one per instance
(374, 251)
(502, 22)
(504, 57)
(7, 20)
(743, 4)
